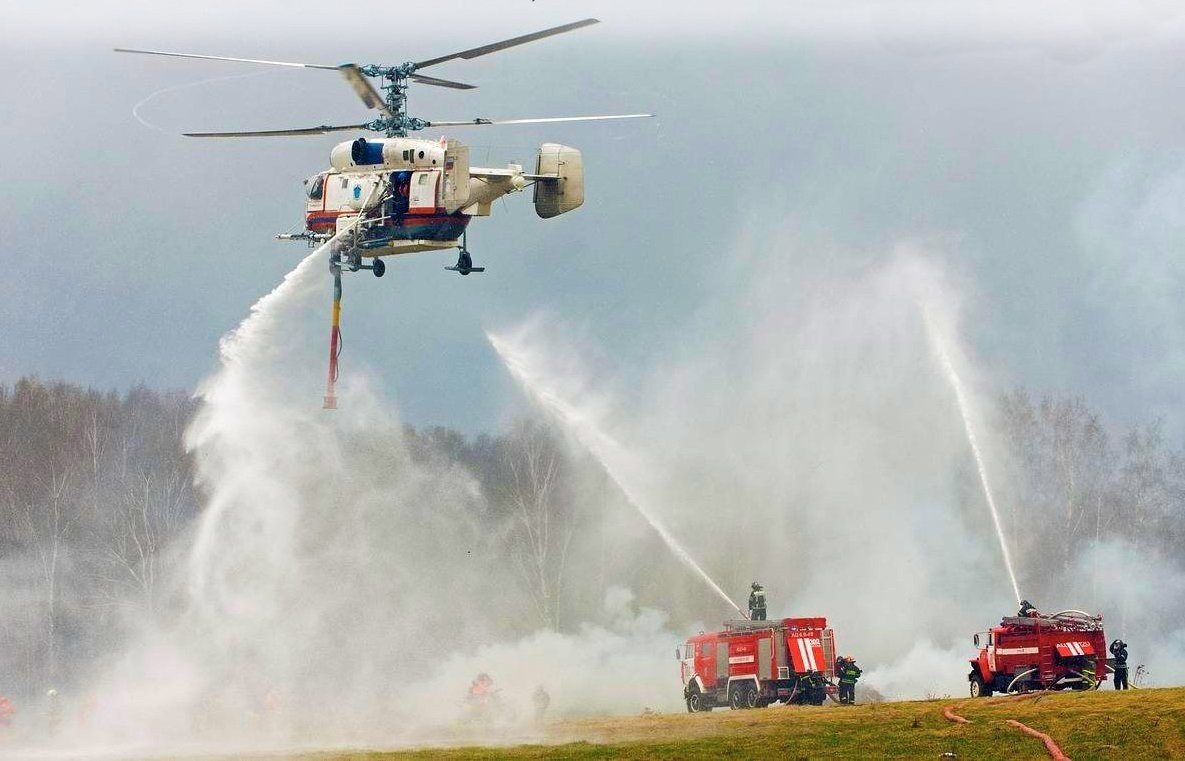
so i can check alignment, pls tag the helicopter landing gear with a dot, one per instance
(464, 263)
(352, 262)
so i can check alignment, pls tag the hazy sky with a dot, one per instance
(1040, 149)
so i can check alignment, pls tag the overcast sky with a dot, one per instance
(1038, 146)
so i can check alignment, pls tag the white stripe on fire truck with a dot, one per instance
(1016, 651)
(740, 659)
(808, 655)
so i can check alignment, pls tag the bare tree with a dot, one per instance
(543, 516)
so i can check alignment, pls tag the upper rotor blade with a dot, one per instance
(496, 46)
(323, 129)
(364, 88)
(441, 82)
(225, 58)
(482, 122)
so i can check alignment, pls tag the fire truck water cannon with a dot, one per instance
(1062, 651)
(751, 664)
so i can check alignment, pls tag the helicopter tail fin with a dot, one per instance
(561, 187)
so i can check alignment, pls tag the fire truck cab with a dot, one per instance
(750, 664)
(1039, 652)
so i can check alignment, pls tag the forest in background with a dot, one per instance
(97, 498)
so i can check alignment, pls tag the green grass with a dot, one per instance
(1095, 725)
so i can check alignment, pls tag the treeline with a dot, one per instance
(97, 495)
(1068, 483)
(94, 488)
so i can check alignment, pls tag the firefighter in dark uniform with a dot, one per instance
(1119, 650)
(847, 680)
(1026, 609)
(757, 603)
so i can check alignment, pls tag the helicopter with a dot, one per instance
(398, 194)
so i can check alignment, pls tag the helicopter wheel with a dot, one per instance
(379, 267)
(464, 263)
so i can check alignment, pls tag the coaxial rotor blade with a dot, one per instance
(496, 46)
(364, 88)
(482, 122)
(281, 132)
(225, 58)
(441, 82)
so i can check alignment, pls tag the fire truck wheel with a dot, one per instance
(979, 689)
(743, 696)
(696, 702)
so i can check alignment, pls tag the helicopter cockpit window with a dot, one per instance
(315, 188)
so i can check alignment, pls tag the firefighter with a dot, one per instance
(757, 603)
(1119, 650)
(54, 710)
(480, 688)
(814, 688)
(541, 700)
(1027, 610)
(847, 680)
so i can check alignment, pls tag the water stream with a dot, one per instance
(939, 340)
(612, 456)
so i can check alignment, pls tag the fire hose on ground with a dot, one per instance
(1051, 747)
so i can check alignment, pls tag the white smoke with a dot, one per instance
(1141, 595)
(819, 450)
(336, 592)
(925, 671)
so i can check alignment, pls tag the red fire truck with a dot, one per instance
(751, 664)
(1066, 650)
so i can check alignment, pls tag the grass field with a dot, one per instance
(1097, 725)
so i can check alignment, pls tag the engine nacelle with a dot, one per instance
(365, 154)
(554, 196)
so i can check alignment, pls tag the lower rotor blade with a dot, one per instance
(482, 122)
(281, 132)
(441, 82)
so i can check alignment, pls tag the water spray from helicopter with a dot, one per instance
(939, 340)
(607, 451)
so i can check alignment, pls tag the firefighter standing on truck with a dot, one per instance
(1119, 650)
(847, 680)
(757, 603)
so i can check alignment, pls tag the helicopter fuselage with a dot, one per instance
(419, 195)
(413, 195)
